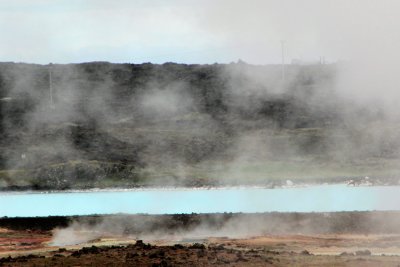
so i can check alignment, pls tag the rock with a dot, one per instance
(90, 250)
(197, 246)
(163, 263)
(220, 247)
(132, 255)
(363, 253)
(346, 254)
(157, 254)
(76, 254)
(178, 246)
(201, 253)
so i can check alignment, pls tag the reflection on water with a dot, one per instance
(321, 198)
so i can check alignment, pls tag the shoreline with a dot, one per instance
(270, 184)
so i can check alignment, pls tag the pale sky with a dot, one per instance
(194, 31)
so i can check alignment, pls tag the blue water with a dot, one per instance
(323, 198)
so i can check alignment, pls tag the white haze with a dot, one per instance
(165, 102)
(362, 36)
(198, 32)
(156, 228)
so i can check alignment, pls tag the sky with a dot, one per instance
(195, 31)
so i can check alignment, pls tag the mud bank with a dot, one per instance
(376, 222)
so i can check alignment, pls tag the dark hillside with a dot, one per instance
(102, 124)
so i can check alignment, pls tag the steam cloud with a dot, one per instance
(175, 120)
(202, 226)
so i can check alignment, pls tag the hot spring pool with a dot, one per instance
(321, 198)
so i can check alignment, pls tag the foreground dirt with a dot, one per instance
(270, 239)
(20, 248)
(15, 242)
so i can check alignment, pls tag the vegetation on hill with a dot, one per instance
(124, 125)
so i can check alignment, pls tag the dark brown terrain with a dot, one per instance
(301, 239)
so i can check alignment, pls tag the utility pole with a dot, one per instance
(283, 60)
(51, 86)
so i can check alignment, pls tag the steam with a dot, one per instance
(175, 129)
(181, 227)
(171, 228)
(173, 124)
(167, 102)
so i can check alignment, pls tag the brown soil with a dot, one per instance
(256, 251)
(34, 248)
(15, 242)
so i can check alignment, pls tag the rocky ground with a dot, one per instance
(299, 250)
(352, 239)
